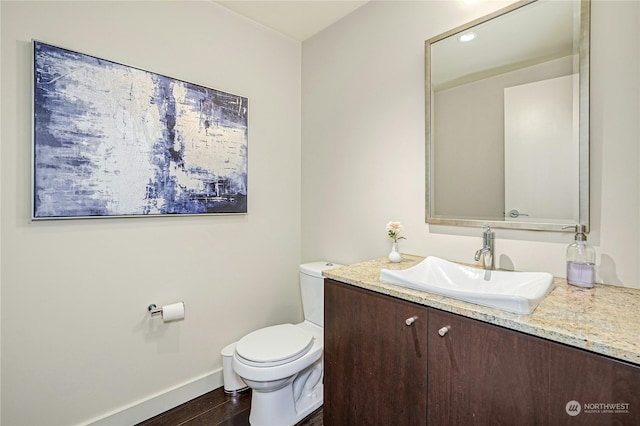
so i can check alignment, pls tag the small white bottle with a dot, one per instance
(581, 261)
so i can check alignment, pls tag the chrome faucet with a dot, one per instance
(486, 252)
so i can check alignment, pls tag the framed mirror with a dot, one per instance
(507, 119)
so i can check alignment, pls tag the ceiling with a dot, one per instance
(298, 20)
(550, 26)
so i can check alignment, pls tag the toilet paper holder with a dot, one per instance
(169, 313)
(154, 310)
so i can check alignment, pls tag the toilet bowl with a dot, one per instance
(286, 383)
(283, 364)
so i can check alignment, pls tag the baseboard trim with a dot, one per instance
(145, 409)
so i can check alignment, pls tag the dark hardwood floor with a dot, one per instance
(217, 408)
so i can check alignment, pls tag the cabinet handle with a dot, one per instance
(410, 321)
(444, 330)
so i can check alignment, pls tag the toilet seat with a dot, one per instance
(275, 345)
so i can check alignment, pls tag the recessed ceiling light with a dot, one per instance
(467, 37)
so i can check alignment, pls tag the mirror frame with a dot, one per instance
(584, 43)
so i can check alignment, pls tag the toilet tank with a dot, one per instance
(312, 290)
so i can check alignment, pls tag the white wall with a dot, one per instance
(77, 341)
(363, 142)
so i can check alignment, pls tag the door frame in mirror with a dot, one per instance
(584, 43)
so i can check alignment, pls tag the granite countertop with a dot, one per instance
(604, 319)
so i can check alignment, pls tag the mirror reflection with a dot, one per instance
(507, 119)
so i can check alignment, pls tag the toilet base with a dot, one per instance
(291, 403)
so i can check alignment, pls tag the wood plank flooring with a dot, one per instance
(216, 408)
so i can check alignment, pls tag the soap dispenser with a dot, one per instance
(581, 261)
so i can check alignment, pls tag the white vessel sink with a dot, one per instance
(517, 292)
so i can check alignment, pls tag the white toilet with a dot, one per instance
(282, 364)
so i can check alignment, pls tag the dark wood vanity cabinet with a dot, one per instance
(375, 365)
(446, 370)
(481, 374)
(484, 375)
(608, 390)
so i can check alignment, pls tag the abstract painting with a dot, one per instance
(110, 140)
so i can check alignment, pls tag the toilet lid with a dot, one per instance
(274, 345)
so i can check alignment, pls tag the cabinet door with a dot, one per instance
(590, 389)
(375, 364)
(481, 374)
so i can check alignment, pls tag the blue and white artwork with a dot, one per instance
(110, 140)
